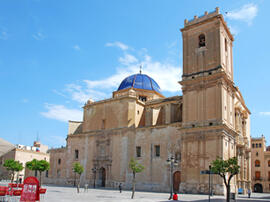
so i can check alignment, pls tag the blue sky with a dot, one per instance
(55, 55)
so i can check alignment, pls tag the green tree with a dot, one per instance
(13, 166)
(77, 169)
(38, 166)
(136, 168)
(226, 169)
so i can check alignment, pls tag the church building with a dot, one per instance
(209, 120)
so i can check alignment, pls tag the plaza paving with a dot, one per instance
(60, 194)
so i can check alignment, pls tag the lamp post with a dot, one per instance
(171, 161)
(94, 170)
(209, 183)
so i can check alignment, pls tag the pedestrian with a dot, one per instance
(249, 193)
(175, 197)
(120, 187)
(86, 188)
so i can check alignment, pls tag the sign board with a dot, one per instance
(204, 172)
(207, 172)
(30, 190)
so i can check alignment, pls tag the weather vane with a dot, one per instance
(140, 69)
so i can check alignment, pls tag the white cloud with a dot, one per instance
(246, 13)
(265, 113)
(38, 36)
(127, 59)
(234, 30)
(61, 113)
(76, 47)
(3, 35)
(81, 93)
(118, 44)
(25, 100)
(165, 74)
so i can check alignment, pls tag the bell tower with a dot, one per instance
(207, 63)
(209, 97)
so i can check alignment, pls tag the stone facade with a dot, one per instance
(260, 155)
(209, 120)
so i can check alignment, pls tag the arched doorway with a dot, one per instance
(102, 176)
(176, 181)
(258, 188)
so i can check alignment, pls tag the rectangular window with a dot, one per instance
(138, 151)
(257, 175)
(157, 150)
(76, 154)
(47, 173)
(103, 125)
(59, 161)
(58, 173)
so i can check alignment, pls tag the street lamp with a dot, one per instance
(171, 161)
(94, 170)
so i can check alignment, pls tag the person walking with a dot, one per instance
(120, 187)
(249, 193)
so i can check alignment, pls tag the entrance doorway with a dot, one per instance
(258, 188)
(102, 176)
(176, 181)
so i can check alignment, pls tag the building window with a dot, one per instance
(226, 48)
(59, 161)
(58, 173)
(138, 151)
(269, 163)
(268, 175)
(178, 156)
(202, 40)
(257, 175)
(103, 125)
(143, 98)
(257, 163)
(35, 173)
(157, 150)
(260, 145)
(253, 145)
(256, 145)
(47, 173)
(257, 154)
(76, 154)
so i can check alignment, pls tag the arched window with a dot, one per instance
(269, 163)
(226, 45)
(202, 40)
(257, 163)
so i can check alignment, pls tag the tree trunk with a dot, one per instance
(228, 192)
(133, 186)
(12, 177)
(78, 185)
(40, 178)
(75, 181)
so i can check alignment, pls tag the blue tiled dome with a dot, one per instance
(139, 81)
